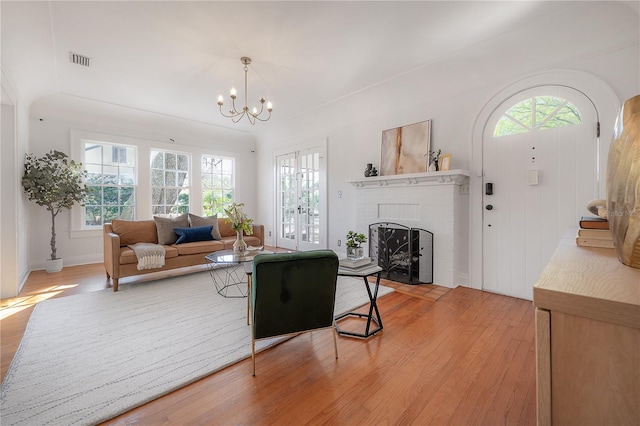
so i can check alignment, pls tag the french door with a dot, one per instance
(301, 211)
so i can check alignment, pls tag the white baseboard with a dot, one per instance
(71, 261)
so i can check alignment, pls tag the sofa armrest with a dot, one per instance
(258, 232)
(111, 252)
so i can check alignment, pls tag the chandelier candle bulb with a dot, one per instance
(233, 92)
(220, 100)
(269, 106)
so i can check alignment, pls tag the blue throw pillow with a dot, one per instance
(190, 235)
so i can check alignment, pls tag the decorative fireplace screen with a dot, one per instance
(405, 254)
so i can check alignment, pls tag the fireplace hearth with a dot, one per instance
(405, 254)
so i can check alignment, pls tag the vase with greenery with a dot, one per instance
(240, 223)
(57, 183)
(354, 245)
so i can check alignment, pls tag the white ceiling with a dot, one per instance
(175, 57)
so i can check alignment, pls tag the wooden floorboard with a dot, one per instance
(459, 357)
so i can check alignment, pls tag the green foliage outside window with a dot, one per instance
(110, 183)
(169, 182)
(217, 185)
(538, 113)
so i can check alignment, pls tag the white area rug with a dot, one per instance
(87, 358)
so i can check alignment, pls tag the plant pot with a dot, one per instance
(355, 252)
(53, 265)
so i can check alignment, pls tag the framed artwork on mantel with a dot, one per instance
(405, 149)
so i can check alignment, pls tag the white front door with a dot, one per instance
(301, 200)
(540, 172)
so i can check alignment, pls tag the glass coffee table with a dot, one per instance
(229, 271)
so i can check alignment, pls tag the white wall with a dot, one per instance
(452, 93)
(55, 117)
(8, 212)
(13, 228)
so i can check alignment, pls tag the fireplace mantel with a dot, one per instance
(449, 177)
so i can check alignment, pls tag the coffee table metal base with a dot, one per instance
(230, 280)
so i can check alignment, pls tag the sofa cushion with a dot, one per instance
(204, 247)
(226, 230)
(135, 231)
(190, 235)
(197, 221)
(165, 226)
(128, 256)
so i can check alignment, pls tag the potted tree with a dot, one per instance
(354, 248)
(56, 183)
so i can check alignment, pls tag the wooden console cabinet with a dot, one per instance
(587, 339)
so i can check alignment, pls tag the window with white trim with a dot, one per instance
(217, 184)
(169, 182)
(537, 113)
(111, 183)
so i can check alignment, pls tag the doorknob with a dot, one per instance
(489, 207)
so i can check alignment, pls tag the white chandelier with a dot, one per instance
(252, 115)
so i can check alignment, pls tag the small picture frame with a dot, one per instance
(445, 162)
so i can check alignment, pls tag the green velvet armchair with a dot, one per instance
(292, 293)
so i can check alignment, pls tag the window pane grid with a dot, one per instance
(538, 113)
(111, 185)
(217, 184)
(169, 183)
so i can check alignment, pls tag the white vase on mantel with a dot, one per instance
(432, 167)
(53, 265)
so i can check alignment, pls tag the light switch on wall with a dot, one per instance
(534, 177)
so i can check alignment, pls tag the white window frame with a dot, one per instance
(78, 228)
(233, 180)
(189, 177)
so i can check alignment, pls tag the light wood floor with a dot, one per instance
(466, 358)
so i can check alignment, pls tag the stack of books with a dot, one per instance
(354, 263)
(594, 232)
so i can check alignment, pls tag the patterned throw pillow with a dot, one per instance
(197, 221)
(165, 226)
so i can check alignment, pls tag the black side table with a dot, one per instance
(374, 313)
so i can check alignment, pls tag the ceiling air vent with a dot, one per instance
(79, 59)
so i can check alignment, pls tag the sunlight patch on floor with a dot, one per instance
(16, 304)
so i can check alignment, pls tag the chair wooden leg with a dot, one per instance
(248, 299)
(115, 284)
(335, 339)
(253, 355)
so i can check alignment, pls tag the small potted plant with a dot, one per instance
(56, 183)
(354, 248)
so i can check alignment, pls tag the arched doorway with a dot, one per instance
(540, 171)
(606, 104)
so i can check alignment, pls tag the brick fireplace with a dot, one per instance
(437, 202)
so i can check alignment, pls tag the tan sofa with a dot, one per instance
(120, 260)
